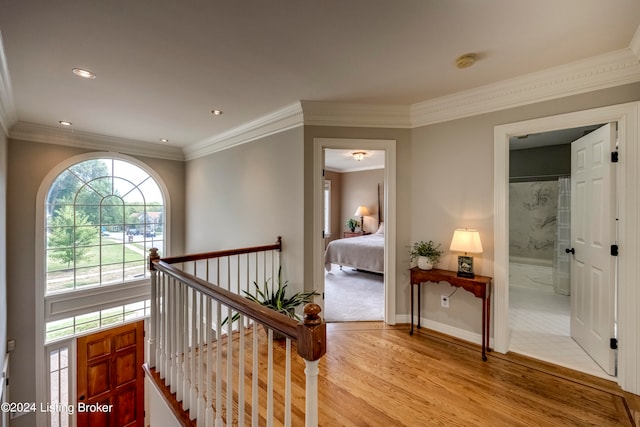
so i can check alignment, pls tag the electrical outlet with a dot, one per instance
(444, 301)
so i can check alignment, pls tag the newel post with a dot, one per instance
(153, 321)
(312, 345)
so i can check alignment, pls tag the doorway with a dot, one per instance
(387, 206)
(354, 234)
(628, 183)
(540, 301)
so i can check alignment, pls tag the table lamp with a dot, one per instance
(362, 211)
(467, 241)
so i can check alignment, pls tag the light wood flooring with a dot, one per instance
(378, 375)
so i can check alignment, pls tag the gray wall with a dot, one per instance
(29, 163)
(452, 186)
(248, 195)
(361, 189)
(3, 246)
(540, 161)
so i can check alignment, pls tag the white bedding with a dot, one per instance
(362, 252)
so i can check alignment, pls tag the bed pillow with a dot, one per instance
(380, 228)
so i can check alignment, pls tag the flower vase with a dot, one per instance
(424, 263)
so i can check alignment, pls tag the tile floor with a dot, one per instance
(539, 328)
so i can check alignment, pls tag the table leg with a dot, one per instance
(419, 299)
(484, 328)
(488, 320)
(411, 330)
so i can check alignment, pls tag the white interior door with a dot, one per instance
(592, 234)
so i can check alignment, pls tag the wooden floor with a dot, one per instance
(378, 375)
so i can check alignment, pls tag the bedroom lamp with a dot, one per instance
(362, 211)
(467, 241)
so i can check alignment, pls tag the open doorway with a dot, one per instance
(388, 208)
(540, 301)
(354, 234)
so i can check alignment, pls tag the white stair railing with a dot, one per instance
(209, 346)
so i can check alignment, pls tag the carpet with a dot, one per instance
(353, 295)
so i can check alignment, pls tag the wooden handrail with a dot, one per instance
(264, 315)
(219, 254)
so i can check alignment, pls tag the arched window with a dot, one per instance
(102, 216)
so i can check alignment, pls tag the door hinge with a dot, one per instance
(613, 343)
(614, 157)
(614, 250)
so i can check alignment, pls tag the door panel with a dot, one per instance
(110, 375)
(592, 233)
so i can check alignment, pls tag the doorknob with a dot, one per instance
(570, 251)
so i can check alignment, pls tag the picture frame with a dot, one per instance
(465, 266)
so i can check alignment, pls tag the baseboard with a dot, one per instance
(443, 328)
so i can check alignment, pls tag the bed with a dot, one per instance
(361, 252)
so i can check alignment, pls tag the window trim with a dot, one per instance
(40, 253)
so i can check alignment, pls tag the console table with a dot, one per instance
(480, 286)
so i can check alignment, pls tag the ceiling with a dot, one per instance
(163, 66)
(343, 161)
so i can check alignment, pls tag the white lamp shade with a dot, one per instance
(361, 211)
(465, 240)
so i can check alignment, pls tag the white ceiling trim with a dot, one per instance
(8, 114)
(359, 115)
(278, 121)
(635, 43)
(50, 135)
(600, 72)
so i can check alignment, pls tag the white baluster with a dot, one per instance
(270, 379)
(193, 395)
(172, 336)
(254, 378)
(218, 367)
(311, 405)
(209, 415)
(201, 375)
(179, 342)
(287, 386)
(241, 371)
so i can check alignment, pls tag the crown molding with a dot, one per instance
(8, 114)
(322, 113)
(600, 72)
(635, 43)
(49, 135)
(281, 120)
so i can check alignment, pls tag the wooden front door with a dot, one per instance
(110, 377)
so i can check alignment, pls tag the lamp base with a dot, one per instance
(465, 267)
(466, 274)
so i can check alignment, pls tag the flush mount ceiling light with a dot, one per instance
(466, 60)
(359, 155)
(81, 72)
(65, 123)
(216, 112)
(164, 140)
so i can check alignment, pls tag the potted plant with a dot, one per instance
(352, 224)
(427, 253)
(275, 298)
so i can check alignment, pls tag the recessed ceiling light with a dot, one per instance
(81, 72)
(164, 140)
(216, 112)
(65, 123)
